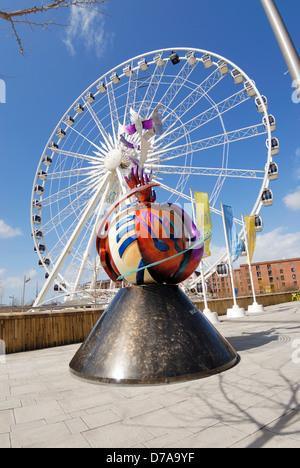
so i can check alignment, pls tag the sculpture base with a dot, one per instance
(152, 334)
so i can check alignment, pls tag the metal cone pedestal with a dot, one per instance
(152, 334)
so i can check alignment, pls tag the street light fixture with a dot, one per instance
(26, 280)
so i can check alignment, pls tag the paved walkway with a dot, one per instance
(255, 404)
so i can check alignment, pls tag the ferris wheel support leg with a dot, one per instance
(284, 40)
(92, 237)
(68, 248)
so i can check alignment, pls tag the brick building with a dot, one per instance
(272, 276)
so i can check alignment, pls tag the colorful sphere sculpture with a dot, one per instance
(149, 242)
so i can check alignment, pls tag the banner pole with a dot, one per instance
(229, 257)
(255, 306)
(212, 316)
(235, 311)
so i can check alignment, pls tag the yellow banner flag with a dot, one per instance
(251, 235)
(203, 218)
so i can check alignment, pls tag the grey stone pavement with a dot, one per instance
(254, 405)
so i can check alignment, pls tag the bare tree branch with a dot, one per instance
(14, 18)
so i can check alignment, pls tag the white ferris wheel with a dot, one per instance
(213, 122)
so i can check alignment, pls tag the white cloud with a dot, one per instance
(12, 287)
(86, 26)
(31, 274)
(276, 245)
(13, 282)
(6, 231)
(292, 200)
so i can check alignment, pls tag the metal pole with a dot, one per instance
(23, 296)
(24, 283)
(284, 40)
(229, 258)
(249, 261)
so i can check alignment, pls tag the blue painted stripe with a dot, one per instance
(124, 221)
(124, 231)
(140, 273)
(126, 244)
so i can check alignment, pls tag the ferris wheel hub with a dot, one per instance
(113, 159)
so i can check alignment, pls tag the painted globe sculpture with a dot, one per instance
(149, 242)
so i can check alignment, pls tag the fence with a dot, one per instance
(37, 330)
(24, 331)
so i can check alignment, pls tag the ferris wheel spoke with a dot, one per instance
(98, 214)
(188, 197)
(63, 238)
(206, 143)
(80, 134)
(193, 98)
(205, 117)
(80, 185)
(76, 207)
(69, 245)
(74, 172)
(131, 92)
(100, 127)
(151, 91)
(176, 85)
(82, 157)
(209, 171)
(172, 190)
(77, 212)
(113, 111)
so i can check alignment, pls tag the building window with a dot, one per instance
(292, 263)
(293, 270)
(294, 277)
(281, 271)
(295, 283)
(258, 268)
(282, 278)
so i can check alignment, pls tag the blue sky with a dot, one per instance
(62, 62)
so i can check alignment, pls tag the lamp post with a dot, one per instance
(26, 280)
(284, 40)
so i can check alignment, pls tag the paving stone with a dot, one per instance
(255, 404)
(39, 411)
